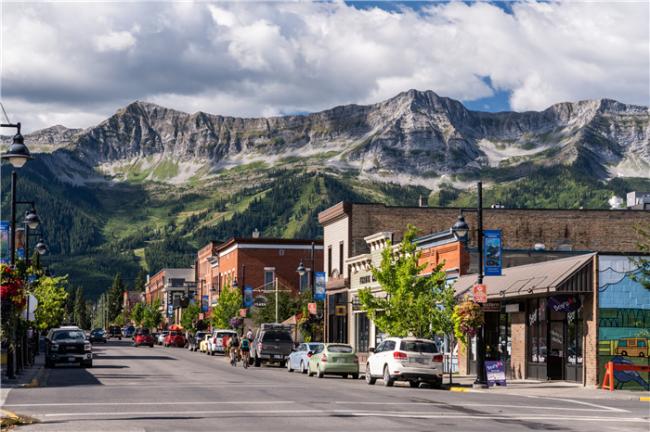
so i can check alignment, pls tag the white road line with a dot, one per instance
(553, 418)
(153, 403)
(433, 403)
(605, 407)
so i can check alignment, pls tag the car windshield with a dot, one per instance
(277, 336)
(200, 335)
(165, 333)
(144, 332)
(339, 349)
(314, 346)
(419, 346)
(222, 334)
(69, 334)
(175, 333)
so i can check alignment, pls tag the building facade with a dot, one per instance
(256, 263)
(170, 287)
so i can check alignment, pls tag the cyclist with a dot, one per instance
(234, 345)
(245, 349)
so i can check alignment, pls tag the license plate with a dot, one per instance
(274, 356)
(420, 360)
(71, 359)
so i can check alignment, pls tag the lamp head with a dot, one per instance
(460, 229)
(41, 247)
(31, 219)
(301, 269)
(18, 153)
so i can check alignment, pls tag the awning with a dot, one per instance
(569, 275)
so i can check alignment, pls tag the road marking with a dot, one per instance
(644, 399)
(586, 403)
(153, 403)
(416, 414)
(432, 403)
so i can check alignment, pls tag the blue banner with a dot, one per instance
(248, 296)
(319, 286)
(492, 252)
(4, 242)
(204, 303)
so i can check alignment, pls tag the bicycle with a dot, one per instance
(233, 356)
(245, 357)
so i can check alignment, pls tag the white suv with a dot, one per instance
(405, 359)
(215, 342)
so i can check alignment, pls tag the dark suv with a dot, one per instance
(272, 343)
(115, 332)
(68, 345)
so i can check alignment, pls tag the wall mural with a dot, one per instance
(624, 321)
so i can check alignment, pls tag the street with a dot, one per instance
(173, 389)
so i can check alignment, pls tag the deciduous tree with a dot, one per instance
(51, 295)
(230, 301)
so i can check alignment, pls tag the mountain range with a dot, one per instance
(149, 184)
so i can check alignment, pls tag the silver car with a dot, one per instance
(161, 337)
(299, 357)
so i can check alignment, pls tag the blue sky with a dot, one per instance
(76, 63)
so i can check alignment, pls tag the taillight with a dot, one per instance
(309, 355)
(398, 355)
(323, 358)
(437, 358)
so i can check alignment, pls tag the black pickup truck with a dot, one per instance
(68, 345)
(273, 343)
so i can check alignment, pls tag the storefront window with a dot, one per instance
(362, 324)
(537, 330)
(574, 333)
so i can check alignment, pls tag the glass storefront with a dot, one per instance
(362, 327)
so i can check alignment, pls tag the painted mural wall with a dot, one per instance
(624, 321)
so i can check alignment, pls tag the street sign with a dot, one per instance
(319, 286)
(480, 293)
(492, 252)
(312, 307)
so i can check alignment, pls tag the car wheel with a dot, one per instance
(49, 364)
(309, 372)
(355, 376)
(388, 381)
(302, 367)
(289, 369)
(87, 364)
(414, 384)
(320, 373)
(258, 362)
(282, 363)
(150, 345)
(369, 378)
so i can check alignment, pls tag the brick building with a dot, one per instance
(169, 286)
(255, 263)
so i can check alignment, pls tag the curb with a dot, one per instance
(39, 379)
(460, 389)
(644, 398)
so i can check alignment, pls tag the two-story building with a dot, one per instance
(170, 286)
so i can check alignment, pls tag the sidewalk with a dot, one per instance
(554, 389)
(29, 377)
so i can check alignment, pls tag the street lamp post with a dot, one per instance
(461, 231)
(301, 271)
(17, 156)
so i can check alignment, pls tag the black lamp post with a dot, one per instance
(17, 156)
(461, 232)
(301, 269)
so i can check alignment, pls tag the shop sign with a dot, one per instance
(564, 303)
(341, 310)
(514, 307)
(491, 307)
(260, 302)
(496, 373)
(319, 286)
(492, 252)
(480, 293)
(311, 307)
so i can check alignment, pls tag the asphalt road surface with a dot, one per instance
(172, 389)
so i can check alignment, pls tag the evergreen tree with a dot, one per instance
(140, 281)
(115, 297)
(69, 306)
(80, 315)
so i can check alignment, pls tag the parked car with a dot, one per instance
(405, 359)
(217, 342)
(129, 331)
(272, 343)
(161, 337)
(299, 358)
(66, 345)
(97, 335)
(115, 332)
(174, 338)
(203, 345)
(195, 340)
(334, 359)
(143, 336)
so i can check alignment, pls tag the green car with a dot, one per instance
(334, 359)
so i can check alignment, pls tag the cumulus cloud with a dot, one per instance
(78, 62)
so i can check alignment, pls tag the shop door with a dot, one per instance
(557, 351)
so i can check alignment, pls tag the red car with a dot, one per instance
(143, 337)
(174, 338)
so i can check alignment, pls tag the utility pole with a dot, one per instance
(276, 299)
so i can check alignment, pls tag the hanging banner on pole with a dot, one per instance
(4, 242)
(204, 303)
(492, 252)
(319, 286)
(248, 296)
(20, 243)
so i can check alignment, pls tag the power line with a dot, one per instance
(4, 113)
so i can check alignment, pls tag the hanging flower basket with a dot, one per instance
(468, 318)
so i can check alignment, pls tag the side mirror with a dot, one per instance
(371, 349)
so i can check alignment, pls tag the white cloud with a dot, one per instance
(114, 41)
(85, 60)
